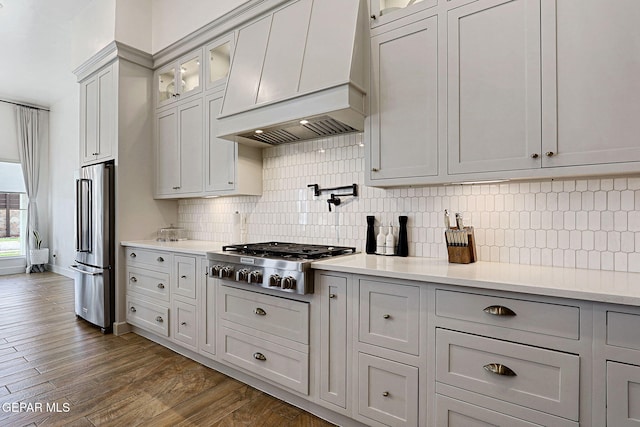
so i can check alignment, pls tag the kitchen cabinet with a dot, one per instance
(179, 80)
(183, 281)
(179, 148)
(218, 55)
(98, 116)
(590, 85)
(207, 316)
(403, 145)
(334, 368)
(184, 324)
(230, 168)
(493, 86)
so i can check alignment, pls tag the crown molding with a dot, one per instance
(110, 53)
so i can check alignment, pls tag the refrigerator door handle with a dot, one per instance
(90, 273)
(83, 215)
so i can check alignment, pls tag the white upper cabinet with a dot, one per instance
(98, 110)
(493, 90)
(591, 84)
(179, 79)
(218, 56)
(384, 11)
(403, 145)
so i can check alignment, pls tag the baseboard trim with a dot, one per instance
(61, 270)
(121, 328)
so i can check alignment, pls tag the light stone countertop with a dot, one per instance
(195, 247)
(590, 285)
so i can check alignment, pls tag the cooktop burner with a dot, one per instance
(288, 250)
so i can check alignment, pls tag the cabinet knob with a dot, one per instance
(535, 155)
(133, 279)
(94, 154)
(499, 310)
(132, 255)
(183, 323)
(160, 285)
(132, 309)
(386, 316)
(549, 154)
(259, 356)
(176, 188)
(499, 369)
(375, 169)
(385, 394)
(332, 295)
(260, 312)
(374, 17)
(159, 319)
(183, 277)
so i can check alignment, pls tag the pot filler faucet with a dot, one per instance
(335, 198)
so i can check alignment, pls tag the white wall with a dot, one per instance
(63, 162)
(133, 23)
(93, 29)
(9, 140)
(173, 20)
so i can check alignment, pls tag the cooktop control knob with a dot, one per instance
(215, 270)
(275, 281)
(226, 272)
(288, 283)
(255, 277)
(242, 275)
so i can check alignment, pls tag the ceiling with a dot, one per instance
(35, 47)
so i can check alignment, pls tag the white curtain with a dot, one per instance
(28, 148)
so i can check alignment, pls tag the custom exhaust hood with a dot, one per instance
(297, 73)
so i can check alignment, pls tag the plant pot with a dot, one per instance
(39, 256)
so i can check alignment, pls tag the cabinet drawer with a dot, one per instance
(150, 283)
(184, 280)
(623, 395)
(149, 316)
(184, 323)
(273, 315)
(623, 330)
(282, 365)
(540, 379)
(390, 315)
(160, 261)
(387, 391)
(455, 413)
(530, 316)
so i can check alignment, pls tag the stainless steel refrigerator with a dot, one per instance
(95, 253)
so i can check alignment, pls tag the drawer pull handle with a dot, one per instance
(332, 295)
(159, 319)
(160, 285)
(132, 255)
(183, 277)
(132, 309)
(133, 279)
(385, 394)
(498, 310)
(160, 259)
(260, 312)
(183, 324)
(259, 356)
(386, 316)
(499, 369)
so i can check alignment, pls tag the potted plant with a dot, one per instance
(38, 255)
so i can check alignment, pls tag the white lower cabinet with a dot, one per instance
(387, 391)
(147, 315)
(623, 395)
(207, 317)
(184, 326)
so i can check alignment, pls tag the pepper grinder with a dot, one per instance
(403, 243)
(371, 235)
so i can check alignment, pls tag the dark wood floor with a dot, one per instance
(80, 377)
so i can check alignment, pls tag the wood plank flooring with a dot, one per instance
(72, 375)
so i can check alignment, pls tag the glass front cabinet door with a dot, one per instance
(180, 79)
(218, 59)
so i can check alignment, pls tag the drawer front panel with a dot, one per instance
(184, 282)
(455, 413)
(284, 366)
(623, 395)
(149, 316)
(544, 380)
(160, 261)
(390, 315)
(150, 283)
(623, 330)
(184, 323)
(530, 316)
(277, 316)
(387, 391)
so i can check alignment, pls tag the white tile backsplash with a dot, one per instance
(581, 223)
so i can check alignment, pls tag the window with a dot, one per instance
(13, 210)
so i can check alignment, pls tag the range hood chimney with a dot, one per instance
(297, 73)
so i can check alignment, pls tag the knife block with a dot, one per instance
(463, 254)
